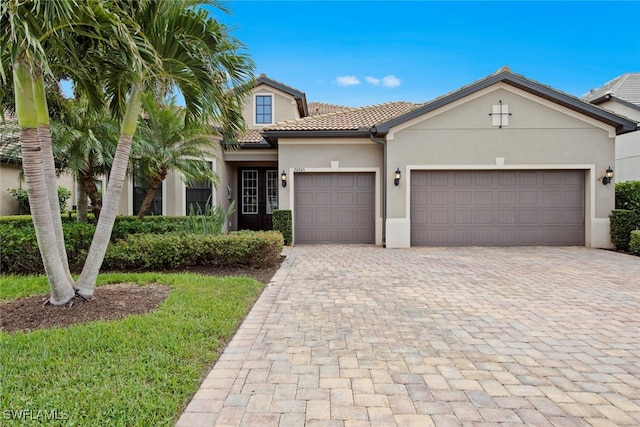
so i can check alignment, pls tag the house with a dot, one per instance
(622, 96)
(503, 161)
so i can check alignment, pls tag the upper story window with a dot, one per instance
(264, 109)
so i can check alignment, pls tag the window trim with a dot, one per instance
(255, 108)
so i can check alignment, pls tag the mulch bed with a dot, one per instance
(111, 302)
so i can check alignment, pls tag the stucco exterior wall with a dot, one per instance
(299, 156)
(627, 164)
(10, 178)
(539, 135)
(284, 106)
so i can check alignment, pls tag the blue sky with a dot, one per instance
(359, 53)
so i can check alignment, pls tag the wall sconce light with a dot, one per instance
(396, 179)
(283, 178)
(608, 176)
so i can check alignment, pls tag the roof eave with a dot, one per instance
(275, 135)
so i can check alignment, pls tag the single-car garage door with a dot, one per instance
(497, 208)
(334, 208)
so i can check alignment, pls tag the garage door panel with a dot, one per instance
(518, 208)
(334, 208)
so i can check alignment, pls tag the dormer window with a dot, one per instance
(264, 109)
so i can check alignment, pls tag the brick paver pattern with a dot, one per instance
(364, 336)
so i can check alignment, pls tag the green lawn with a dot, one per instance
(139, 371)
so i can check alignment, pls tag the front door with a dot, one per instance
(259, 197)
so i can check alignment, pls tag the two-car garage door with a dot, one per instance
(497, 208)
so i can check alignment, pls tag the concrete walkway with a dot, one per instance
(364, 336)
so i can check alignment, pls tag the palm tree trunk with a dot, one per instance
(44, 135)
(91, 190)
(148, 198)
(61, 288)
(87, 281)
(81, 206)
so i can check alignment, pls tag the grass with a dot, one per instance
(139, 371)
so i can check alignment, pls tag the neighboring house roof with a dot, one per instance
(625, 88)
(346, 122)
(10, 140)
(505, 75)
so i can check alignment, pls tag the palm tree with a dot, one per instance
(164, 142)
(191, 52)
(139, 45)
(89, 138)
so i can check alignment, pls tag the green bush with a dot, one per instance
(20, 254)
(23, 199)
(126, 225)
(634, 243)
(622, 223)
(628, 195)
(172, 251)
(282, 223)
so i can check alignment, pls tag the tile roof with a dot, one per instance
(10, 139)
(625, 87)
(347, 118)
(318, 108)
(251, 136)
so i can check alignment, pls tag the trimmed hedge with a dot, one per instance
(628, 195)
(250, 249)
(282, 222)
(622, 223)
(19, 252)
(634, 244)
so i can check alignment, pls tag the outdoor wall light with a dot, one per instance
(608, 176)
(396, 179)
(283, 178)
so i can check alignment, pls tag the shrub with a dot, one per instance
(622, 223)
(282, 223)
(23, 199)
(126, 225)
(210, 222)
(634, 243)
(171, 251)
(628, 195)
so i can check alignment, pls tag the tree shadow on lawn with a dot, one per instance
(110, 302)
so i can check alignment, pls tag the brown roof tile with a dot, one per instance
(348, 118)
(318, 108)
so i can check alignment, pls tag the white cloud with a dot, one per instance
(347, 80)
(386, 81)
(390, 81)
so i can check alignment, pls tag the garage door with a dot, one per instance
(334, 208)
(497, 208)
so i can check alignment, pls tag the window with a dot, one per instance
(199, 197)
(250, 192)
(140, 186)
(263, 109)
(272, 190)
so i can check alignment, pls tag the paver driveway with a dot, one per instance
(364, 336)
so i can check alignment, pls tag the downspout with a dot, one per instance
(372, 135)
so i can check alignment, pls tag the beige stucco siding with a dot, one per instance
(10, 179)
(319, 155)
(539, 135)
(627, 165)
(284, 106)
